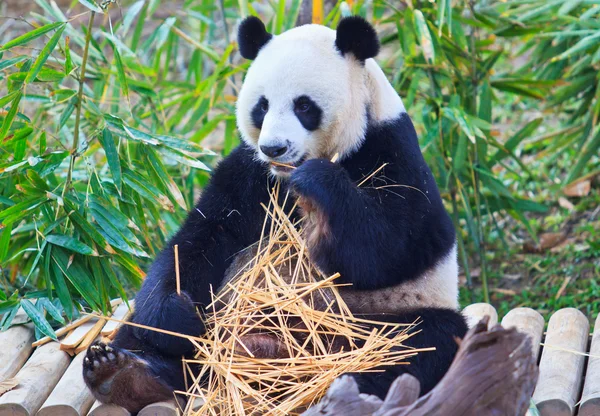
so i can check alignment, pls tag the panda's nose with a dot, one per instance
(274, 151)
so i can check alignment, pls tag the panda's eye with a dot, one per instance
(304, 107)
(264, 105)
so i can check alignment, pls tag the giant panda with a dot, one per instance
(309, 94)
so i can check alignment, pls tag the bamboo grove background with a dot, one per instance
(113, 113)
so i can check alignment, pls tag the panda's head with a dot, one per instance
(311, 91)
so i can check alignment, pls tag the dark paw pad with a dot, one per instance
(101, 363)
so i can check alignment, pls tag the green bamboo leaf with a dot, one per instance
(29, 36)
(10, 309)
(10, 116)
(121, 72)
(517, 87)
(184, 158)
(460, 156)
(21, 209)
(146, 189)
(68, 59)
(165, 178)
(209, 126)
(130, 15)
(590, 148)
(8, 98)
(280, 16)
(91, 4)
(5, 241)
(85, 227)
(510, 145)
(57, 278)
(38, 319)
(44, 54)
(583, 45)
(10, 62)
(424, 36)
(112, 156)
(567, 6)
(77, 276)
(71, 244)
(51, 309)
(62, 95)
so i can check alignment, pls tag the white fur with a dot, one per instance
(436, 288)
(305, 61)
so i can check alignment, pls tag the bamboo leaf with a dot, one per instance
(77, 276)
(44, 54)
(71, 244)
(38, 319)
(10, 116)
(108, 143)
(91, 4)
(29, 36)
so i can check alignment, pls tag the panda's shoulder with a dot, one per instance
(240, 167)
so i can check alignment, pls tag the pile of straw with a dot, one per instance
(279, 298)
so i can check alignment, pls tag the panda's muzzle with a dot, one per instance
(274, 151)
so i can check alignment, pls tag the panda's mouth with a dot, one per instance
(285, 169)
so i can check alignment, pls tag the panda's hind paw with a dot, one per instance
(101, 363)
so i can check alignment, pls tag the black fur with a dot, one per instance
(308, 112)
(392, 228)
(259, 111)
(252, 36)
(356, 36)
(389, 230)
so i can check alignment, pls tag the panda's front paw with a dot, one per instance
(319, 180)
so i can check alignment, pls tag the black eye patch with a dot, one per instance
(259, 111)
(308, 112)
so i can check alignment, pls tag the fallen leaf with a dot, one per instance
(508, 292)
(8, 385)
(578, 188)
(547, 241)
(565, 203)
(558, 248)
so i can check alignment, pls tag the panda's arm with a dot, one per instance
(373, 238)
(227, 218)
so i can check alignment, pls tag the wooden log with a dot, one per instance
(101, 409)
(72, 340)
(15, 349)
(36, 379)
(70, 397)
(64, 330)
(493, 373)
(121, 313)
(561, 365)
(90, 336)
(590, 398)
(160, 409)
(528, 321)
(476, 311)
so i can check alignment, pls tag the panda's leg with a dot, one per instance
(142, 366)
(440, 328)
(117, 376)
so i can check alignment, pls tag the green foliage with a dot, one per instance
(105, 125)
(564, 49)
(101, 151)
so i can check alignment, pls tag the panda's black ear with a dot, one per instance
(252, 35)
(356, 36)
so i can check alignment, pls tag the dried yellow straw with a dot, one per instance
(280, 295)
(177, 278)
